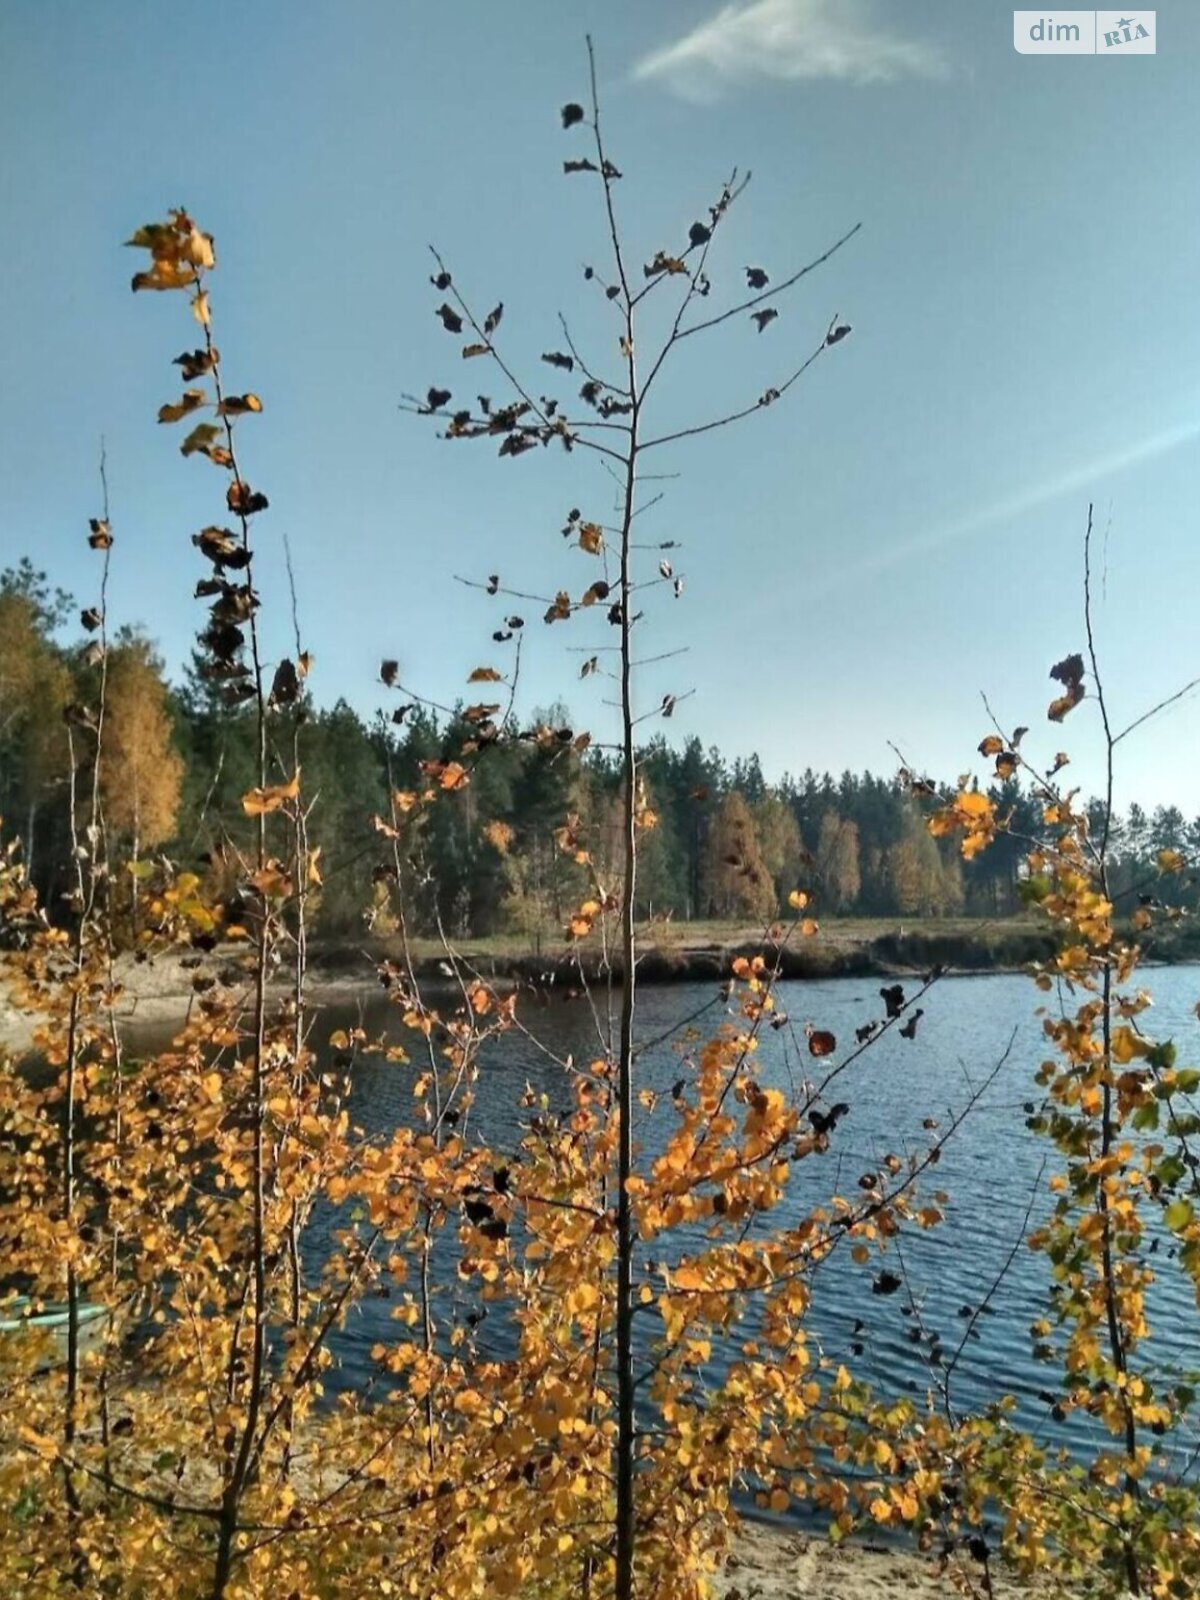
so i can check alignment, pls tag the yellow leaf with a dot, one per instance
(974, 805)
(1126, 1046)
(450, 774)
(484, 675)
(261, 801)
(165, 275)
(44, 1446)
(272, 881)
(499, 835)
(200, 309)
(197, 248)
(192, 398)
(236, 405)
(906, 1503)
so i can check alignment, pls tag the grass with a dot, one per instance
(836, 933)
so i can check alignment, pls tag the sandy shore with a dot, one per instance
(159, 992)
(773, 1564)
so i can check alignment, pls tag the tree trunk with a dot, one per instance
(30, 822)
(626, 1417)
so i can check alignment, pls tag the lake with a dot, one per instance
(989, 1169)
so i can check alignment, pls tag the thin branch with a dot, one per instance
(981, 1308)
(769, 294)
(291, 577)
(614, 388)
(534, 406)
(1154, 710)
(768, 398)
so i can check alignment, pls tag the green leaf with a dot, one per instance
(1169, 1171)
(1179, 1214)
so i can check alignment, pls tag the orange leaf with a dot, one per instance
(450, 774)
(261, 801)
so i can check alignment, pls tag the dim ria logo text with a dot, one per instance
(1084, 33)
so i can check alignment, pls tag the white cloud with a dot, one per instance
(1081, 480)
(792, 40)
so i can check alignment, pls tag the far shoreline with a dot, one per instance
(157, 991)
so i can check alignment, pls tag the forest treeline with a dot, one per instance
(727, 843)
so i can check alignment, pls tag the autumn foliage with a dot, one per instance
(641, 1236)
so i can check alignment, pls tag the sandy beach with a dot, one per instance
(159, 992)
(773, 1564)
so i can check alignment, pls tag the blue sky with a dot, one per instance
(903, 531)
